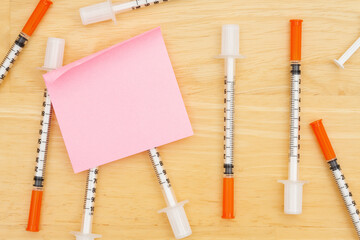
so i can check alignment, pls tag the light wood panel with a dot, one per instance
(128, 194)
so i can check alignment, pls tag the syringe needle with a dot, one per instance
(53, 60)
(23, 37)
(331, 159)
(89, 207)
(106, 10)
(174, 210)
(293, 186)
(229, 51)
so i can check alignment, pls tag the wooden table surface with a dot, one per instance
(128, 193)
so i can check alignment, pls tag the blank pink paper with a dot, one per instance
(118, 102)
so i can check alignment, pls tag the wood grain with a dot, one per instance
(128, 194)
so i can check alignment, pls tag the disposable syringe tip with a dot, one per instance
(97, 13)
(178, 220)
(228, 198)
(323, 140)
(54, 54)
(85, 236)
(230, 41)
(295, 40)
(36, 17)
(35, 210)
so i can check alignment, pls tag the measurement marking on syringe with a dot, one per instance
(12, 55)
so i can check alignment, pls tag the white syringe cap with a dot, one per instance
(97, 13)
(85, 236)
(230, 41)
(54, 54)
(293, 196)
(178, 220)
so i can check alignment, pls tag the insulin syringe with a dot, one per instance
(107, 10)
(293, 186)
(89, 207)
(331, 159)
(23, 37)
(174, 210)
(53, 60)
(229, 51)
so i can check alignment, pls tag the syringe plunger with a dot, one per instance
(178, 220)
(85, 236)
(97, 13)
(54, 54)
(230, 41)
(293, 196)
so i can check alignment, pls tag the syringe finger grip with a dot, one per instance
(178, 220)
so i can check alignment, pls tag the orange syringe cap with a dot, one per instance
(295, 39)
(228, 198)
(35, 209)
(323, 140)
(36, 17)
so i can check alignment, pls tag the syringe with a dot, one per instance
(106, 10)
(23, 37)
(174, 210)
(229, 51)
(294, 187)
(331, 159)
(53, 60)
(89, 207)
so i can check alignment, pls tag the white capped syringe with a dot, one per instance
(89, 207)
(230, 52)
(174, 210)
(53, 60)
(107, 10)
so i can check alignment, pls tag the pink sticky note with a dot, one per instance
(118, 102)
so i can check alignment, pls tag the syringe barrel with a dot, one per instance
(106, 10)
(346, 194)
(86, 226)
(229, 100)
(12, 55)
(89, 203)
(163, 179)
(123, 7)
(294, 145)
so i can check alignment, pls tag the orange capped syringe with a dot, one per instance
(23, 37)
(339, 177)
(293, 186)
